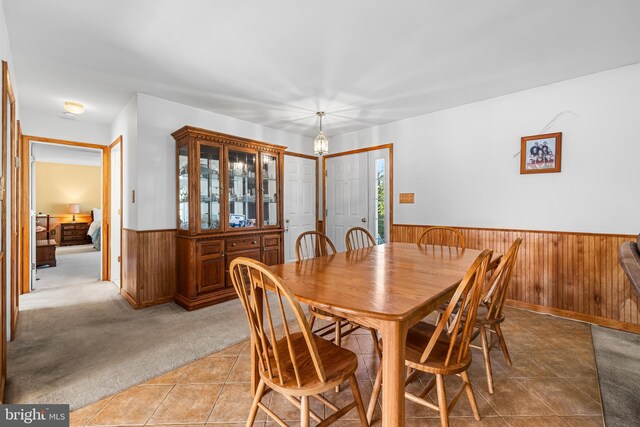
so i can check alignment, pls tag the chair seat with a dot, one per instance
(343, 364)
(417, 339)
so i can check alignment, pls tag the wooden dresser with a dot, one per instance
(74, 233)
(229, 204)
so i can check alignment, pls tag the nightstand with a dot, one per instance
(74, 233)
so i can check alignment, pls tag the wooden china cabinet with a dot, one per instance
(229, 204)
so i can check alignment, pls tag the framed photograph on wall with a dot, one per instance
(541, 153)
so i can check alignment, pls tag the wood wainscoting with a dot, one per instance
(148, 266)
(574, 275)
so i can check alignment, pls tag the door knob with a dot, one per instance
(364, 220)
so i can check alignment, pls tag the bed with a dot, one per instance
(95, 228)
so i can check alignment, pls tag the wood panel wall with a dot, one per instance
(148, 266)
(574, 275)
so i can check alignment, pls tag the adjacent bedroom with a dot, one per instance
(68, 220)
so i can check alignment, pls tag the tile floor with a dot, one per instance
(552, 383)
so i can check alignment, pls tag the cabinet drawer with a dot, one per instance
(272, 240)
(243, 244)
(74, 233)
(74, 227)
(210, 248)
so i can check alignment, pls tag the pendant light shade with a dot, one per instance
(321, 143)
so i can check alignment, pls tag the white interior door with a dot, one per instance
(299, 201)
(347, 196)
(115, 214)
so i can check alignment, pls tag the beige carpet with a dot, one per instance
(78, 340)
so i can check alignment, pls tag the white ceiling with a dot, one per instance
(278, 62)
(55, 153)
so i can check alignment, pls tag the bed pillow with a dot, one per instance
(97, 214)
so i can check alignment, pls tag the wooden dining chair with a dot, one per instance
(297, 365)
(442, 236)
(358, 238)
(443, 349)
(311, 244)
(490, 316)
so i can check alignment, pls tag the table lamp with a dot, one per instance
(74, 208)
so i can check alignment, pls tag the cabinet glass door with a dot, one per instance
(270, 194)
(242, 189)
(183, 185)
(209, 187)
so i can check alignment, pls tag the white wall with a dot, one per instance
(126, 124)
(157, 119)
(460, 162)
(54, 153)
(57, 127)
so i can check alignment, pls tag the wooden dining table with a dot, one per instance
(389, 287)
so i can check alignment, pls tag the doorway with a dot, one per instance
(300, 201)
(67, 204)
(358, 193)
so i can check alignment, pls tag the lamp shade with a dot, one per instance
(74, 208)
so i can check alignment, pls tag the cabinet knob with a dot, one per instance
(233, 244)
(254, 242)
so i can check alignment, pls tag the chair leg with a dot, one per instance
(442, 401)
(487, 360)
(376, 346)
(355, 390)
(374, 394)
(254, 405)
(304, 411)
(470, 395)
(503, 344)
(338, 343)
(312, 320)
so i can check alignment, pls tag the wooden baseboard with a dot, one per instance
(132, 302)
(600, 321)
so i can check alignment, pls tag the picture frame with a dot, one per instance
(541, 153)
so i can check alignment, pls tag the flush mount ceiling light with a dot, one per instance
(73, 108)
(321, 143)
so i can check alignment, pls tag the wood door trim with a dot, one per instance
(106, 202)
(317, 159)
(26, 235)
(357, 151)
(64, 142)
(7, 97)
(520, 230)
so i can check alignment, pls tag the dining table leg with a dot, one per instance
(394, 334)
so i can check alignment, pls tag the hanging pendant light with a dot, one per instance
(321, 143)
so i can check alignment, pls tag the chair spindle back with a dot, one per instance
(461, 312)
(312, 244)
(358, 238)
(278, 359)
(442, 236)
(499, 281)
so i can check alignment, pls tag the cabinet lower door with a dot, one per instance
(271, 256)
(210, 275)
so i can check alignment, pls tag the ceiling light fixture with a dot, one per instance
(321, 143)
(73, 107)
